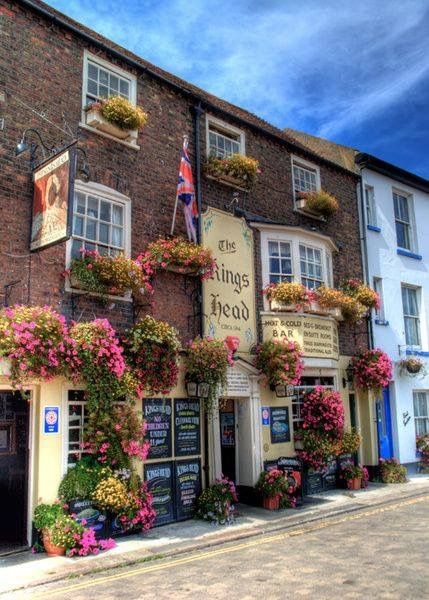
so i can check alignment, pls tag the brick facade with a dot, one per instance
(41, 66)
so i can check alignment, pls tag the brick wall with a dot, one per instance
(41, 70)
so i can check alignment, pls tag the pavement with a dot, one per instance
(24, 570)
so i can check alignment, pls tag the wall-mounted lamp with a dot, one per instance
(349, 376)
(23, 145)
(84, 169)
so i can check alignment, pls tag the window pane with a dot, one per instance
(114, 83)
(286, 265)
(103, 91)
(92, 209)
(79, 203)
(273, 248)
(117, 214)
(117, 237)
(285, 249)
(103, 250)
(104, 77)
(92, 71)
(76, 246)
(124, 87)
(274, 265)
(105, 211)
(104, 233)
(92, 87)
(78, 225)
(91, 229)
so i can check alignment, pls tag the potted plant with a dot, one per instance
(328, 301)
(117, 117)
(391, 471)
(350, 441)
(412, 365)
(57, 528)
(206, 365)
(180, 256)
(352, 310)
(422, 445)
(216, 503)
(272, 485)
(362, 293)
(372, 369)
(287, 296)
(280, 361)
(353, 476)
(317, 202)
(236, 170)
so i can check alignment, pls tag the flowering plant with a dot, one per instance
(422, 445)
(350, 441)
(372, 369)
(351, 471)
(412, 365)
(323, 412)
(110, 274)
(207, 361)
(280, 361)
(391, 471)
(240, 167)
(328, 297)
(216, 503)
(111, 494)
(82, 479)
(180, 255)
(362, 293)
(85, 544)
(272, 483)
(152, 349)
(37, 342)
(288, 293)
(317, 448)
(320, 202)
(139, 512)
(352, 310)
(120, 112)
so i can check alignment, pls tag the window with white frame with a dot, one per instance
(223, 140)
(306, 177)
(410, 304)
(280, 261)
(378, 287)
(421, 412)
(371, 214)
(102, 80)
(311, 267)
(100, 221)
(403, 220)
(77, 417)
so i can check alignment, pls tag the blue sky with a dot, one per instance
(356, 72)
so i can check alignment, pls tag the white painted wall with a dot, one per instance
(394, 270)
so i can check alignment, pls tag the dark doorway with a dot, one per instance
(227, 438)
(352, 406)
(14, 428)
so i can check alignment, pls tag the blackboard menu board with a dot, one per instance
(157, 414)
(95, 519)
(314, 483)
(159, 478)
(330, 475)
(279, 424)
(187, 430)
(269, 465)
(345, 459)
(188, 487)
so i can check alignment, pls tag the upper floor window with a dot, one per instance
(378, 287)
(311, 266)
(371, 215)
(421, 412)
(306, 177)
(410, 304)
(280, 261)
(102, 80)
(101, 220)
(403, 220)
(223, 140)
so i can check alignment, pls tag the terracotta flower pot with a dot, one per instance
(355, 483)
(271, 502)
(51, 549)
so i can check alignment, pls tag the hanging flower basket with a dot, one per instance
(362, 293)
(117, 117)
(236, 171)
(412, 366)
(180, 256)
(318, 203)
(280, 361)
(372, 369)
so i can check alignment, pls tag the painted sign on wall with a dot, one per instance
(157, 415)
(229, 296)
(188, 487)
(317, 337)
(160, 483)
(187, 431)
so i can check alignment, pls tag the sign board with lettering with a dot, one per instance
(229, 296)
(157, 415)
(51, 419)
(317, 337)
(188, 487)
(187, 427)
(160, 483)
(237, 383)
(279, 424)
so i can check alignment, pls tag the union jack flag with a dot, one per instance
(186, 193)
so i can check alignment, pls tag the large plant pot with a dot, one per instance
(413, 369)
(276, 306)
(229, 180)
(192, 272)
(50, 548)
(95, 119)
(271, 502)
(354, 484)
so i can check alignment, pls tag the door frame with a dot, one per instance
(383, 401)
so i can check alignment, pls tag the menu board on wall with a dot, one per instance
(188, 487)
(187, 427)
(314, 483)
(157, 415)
(159, 478)
(279, 424)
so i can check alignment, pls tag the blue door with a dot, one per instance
(384, 425)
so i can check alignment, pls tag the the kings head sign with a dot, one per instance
(229, 296)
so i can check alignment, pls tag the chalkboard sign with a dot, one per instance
(157, 414)
(187, 427)
(269, 465)
(188, 487)
(279, 424)
(330, 475)
(95, 519)
(159, 478)
(345, 459)
(313, 483)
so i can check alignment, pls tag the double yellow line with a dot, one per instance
(259, 541)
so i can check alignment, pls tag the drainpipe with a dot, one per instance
(364, 249)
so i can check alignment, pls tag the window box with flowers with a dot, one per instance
(317, 203)
(237, 171)
(362, 293)
(287, 296)
(117, 117)
(180, 256)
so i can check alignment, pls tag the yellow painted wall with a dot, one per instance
(272, 451)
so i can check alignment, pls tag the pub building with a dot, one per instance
(120, 199)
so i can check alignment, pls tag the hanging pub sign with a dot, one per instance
(188, 487)
(157, 416)
(279, 424)
(53, 199)
(187, 431)
(159, 478)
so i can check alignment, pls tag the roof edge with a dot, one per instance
(369, 161)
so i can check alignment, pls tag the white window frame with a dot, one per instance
(295, 236)
(102, 191)
(412, 222)
(378, 287)
(370, 208)
(424, 417)
(296, 161)
(417, 317)
(227, 129)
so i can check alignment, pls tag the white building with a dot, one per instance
(395, 231)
